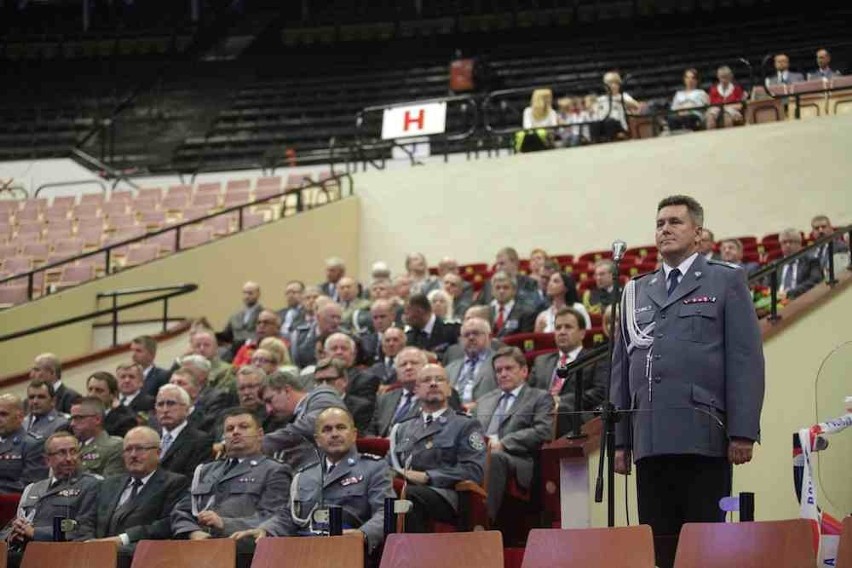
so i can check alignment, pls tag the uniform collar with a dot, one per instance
(683, 266)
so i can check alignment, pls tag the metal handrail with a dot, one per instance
(69, 184)
(239, 209)
(171, 292)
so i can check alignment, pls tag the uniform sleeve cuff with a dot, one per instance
(125, 540)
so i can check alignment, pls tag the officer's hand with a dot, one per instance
(358, 532)
(199, 535)
(210, 519)
(218, 450)
(740, 450)
(255, 534)
(113, 539)
(21, 530)
(622, 462)
(495, 445)
(469, 407)
(417, 477)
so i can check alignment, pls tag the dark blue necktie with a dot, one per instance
(402, 411)
(673, 276)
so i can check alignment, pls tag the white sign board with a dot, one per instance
(414, 120)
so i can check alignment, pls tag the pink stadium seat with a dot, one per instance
(208, 200)
(17, 264)
(220, 225)
(296, 180)
(209, 187)
(23, 215)
(63, 202)
(234, 198)
(96, 198)
(125, 196)
(174, 202)
(12, 295)
(253, 220)
(73, 274)
(141, 253)
(265, 191)
(59, 228)
(155, 193)
(30, 230)
(184, 189)
(9, 205)
(7, 251)
(90, 233)
(53, 213)
(269, 181)
(143, 204)
(152, 219)
(117, 222)
(86, 211)
(114, 208)
(37, 251)
(238, 185)
(165, 242)
(194, 237)
(38, 204)
(194, 213)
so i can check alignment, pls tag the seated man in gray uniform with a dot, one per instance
(358, 483)
(69, 492)
(43, 418)
(21, 452)
(236, 493)
(434, 450)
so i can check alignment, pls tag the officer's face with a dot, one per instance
(677, 235)
(42, 372)
(382, 317)
(408, 365)
(141, 453)
(433, 388)
(567, 333)
(509, 374)
(475, 336)
(504, 291)
(335, 434)
(171, 411)
(40, 400)
(99, 389)
(242, 435)
(129, 380)
(84, 423)
(603, 276)
(248, 389)
(63, 456)
(279, 403)
(11, 418)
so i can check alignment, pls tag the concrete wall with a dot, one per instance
(755, 179)
(270, 254)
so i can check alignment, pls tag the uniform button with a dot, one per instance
(663, 316)
(657, 357)
(658, 379)
(659, 336)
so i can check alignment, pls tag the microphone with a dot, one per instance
(618, 249)
(744, 61)
(321, 504)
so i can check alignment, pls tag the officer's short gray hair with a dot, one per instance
(696, 212)
(182, 394)
(60, 434)
(51, 360)
(251, 370)
(198, 361)
(790, 234)
(338, 335)
(12, 400)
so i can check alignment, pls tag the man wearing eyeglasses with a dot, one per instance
(182, 447)
(69, 492)
(21, 459)
(135, 506)
(100, 453)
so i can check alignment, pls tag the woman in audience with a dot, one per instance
(442, 304)
(571, 115)
(540, 113)
(279, 351)
(611, 110)
(726, 92)
(690, 97)
(557, 292)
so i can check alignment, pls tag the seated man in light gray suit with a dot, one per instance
(783, 75)
(399, 404)
(517, 419)
(473, 376)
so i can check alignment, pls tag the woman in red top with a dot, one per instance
(728, 93)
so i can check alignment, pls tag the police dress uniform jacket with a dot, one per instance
(449, 450)
(144, 517)
(244, 494)
(522, 429)
(46, 424)
(102, 455)
(294, 444)
(701, 381)
(191, 448)
(21, 461)
(484, 380)
(359, 484)
(72, 498)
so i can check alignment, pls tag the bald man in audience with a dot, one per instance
(241, 325)
(21, 452)
(335, 269)
(383, 316)
(455, 286)
(47, 367)
(268, 325)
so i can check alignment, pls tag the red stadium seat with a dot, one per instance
(530, 341)
(531, 355)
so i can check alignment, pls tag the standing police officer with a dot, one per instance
(689, 363)
(358, 483)
(434, 450)
(21, 457)
(237, 493)
(69, 492)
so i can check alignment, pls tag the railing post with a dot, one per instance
(107, 260)
(832, 280)
(849, 266)
(177, 238)
(240, 219)
(166, 312)
(299, 204)
(114, 320)
(30, 285)
(773, 296)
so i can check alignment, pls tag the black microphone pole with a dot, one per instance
(609, 415)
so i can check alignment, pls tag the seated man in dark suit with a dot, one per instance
(570, 329)
(241, 324)
(393, 342)
(119, 419)
(425, 330)
(137, 505)
(360, 384)
(822, 227)
(131, 394)
(517, 419)
(510, 316)
(47, 367)
(143, 351)
(382, 316)
(731, 251)
(507, 260)
(399, 404)
(457, 351)
(454, 285)
(596, 299)
(802, 274)
(303, 339)
(182, 447)
(293, 314)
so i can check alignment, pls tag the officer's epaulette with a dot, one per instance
(462, 413)
(723, 263)
(643, 275)
(373, 457)
(307, 466)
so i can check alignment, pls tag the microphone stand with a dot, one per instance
(609, 414)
